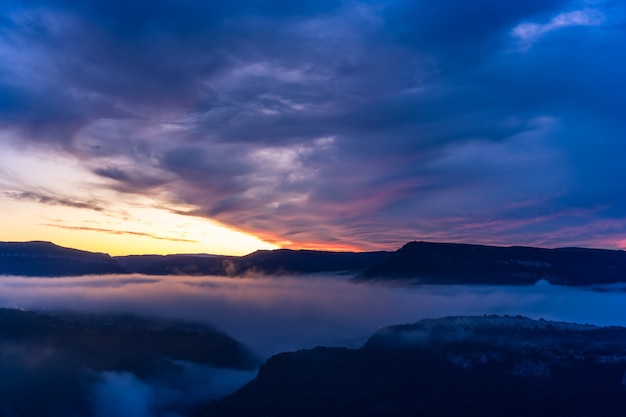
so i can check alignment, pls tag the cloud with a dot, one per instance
(128, 182)
(122, 394)
(344, 124)
(459, 32)
(528, 33)
(118, 232)
(46, 198)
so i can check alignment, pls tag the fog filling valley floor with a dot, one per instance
(267, 314)
(276, 314)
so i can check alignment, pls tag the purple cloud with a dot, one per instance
(336, 124)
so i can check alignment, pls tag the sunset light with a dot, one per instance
(329, 208)
(209, 127)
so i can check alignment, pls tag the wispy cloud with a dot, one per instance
(130, 182)
(331, 122)
(46, 198)
(528, 33)
(118, 232)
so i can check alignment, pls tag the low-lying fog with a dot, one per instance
(269, 314)
(275, 314)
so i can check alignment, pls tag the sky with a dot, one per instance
(224, 127)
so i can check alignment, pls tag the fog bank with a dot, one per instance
(275, 314)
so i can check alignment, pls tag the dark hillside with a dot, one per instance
(286, 261)
(458, 366)
(49, 260)
(452, 263)
(52, 364)
(262, 262)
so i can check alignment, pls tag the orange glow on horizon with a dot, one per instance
(319, 246)
(55, 199)
(324, 247)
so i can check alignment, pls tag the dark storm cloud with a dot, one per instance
(353, 124)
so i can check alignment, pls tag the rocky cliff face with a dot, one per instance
(459, 366)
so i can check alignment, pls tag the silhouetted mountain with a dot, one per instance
(459, 366)
(415, 262)
(135, 263)
(451, 263)
(176, 264)
(286, 261)
(47, 260)
(262, 262)
(52, 363)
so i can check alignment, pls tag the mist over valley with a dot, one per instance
(316, 208)
(266, 315)
(160, 336)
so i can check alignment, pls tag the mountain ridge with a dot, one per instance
(40, 258)
(414, 263)
(457, 263)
